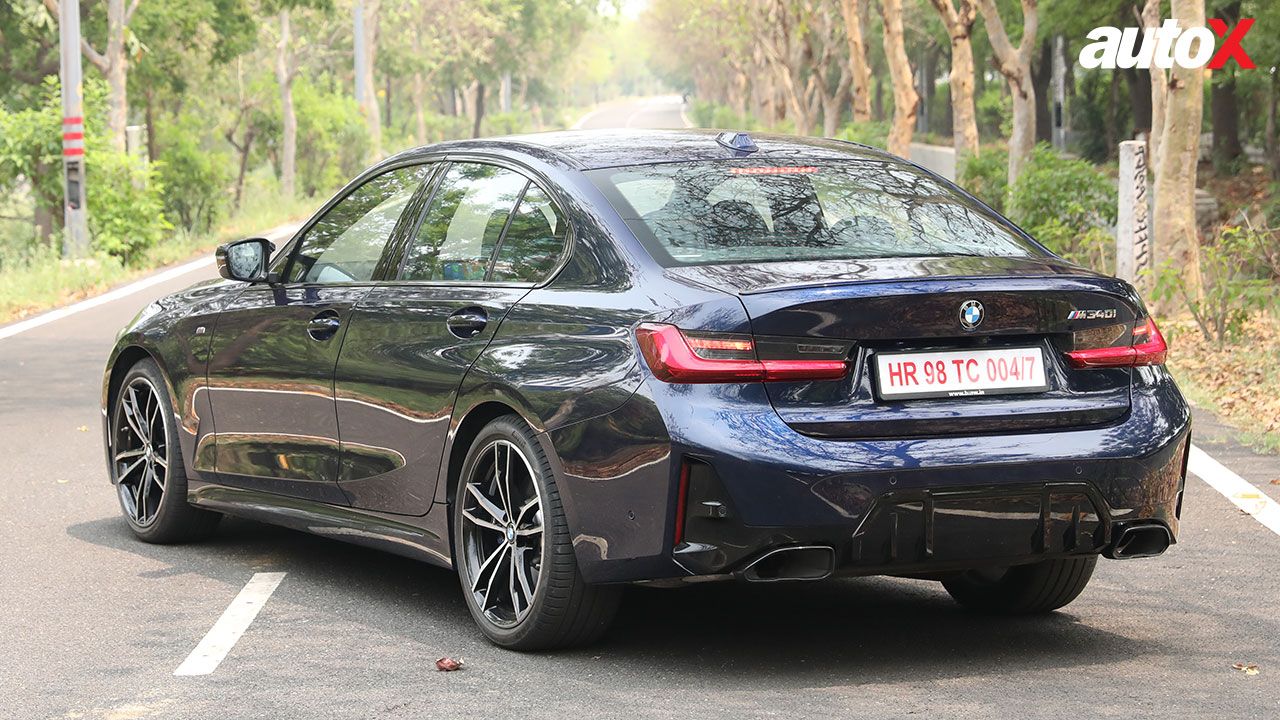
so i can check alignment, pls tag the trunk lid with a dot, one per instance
(914, 305)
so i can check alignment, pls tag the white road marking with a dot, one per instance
(1239, 491)
(120, 292)
(233, 623)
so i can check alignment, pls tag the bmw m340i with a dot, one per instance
(563, 363)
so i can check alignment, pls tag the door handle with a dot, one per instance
(467, 322)
(325, 325)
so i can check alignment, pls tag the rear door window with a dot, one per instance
(533, 242)
(464, 223)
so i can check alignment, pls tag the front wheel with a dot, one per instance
(1039, 587)
(146, 463)
(513, 551)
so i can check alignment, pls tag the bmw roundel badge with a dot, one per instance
(971, 314)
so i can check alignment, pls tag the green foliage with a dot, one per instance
(1231, 288)
(31, 154)
(987, 176)
(194, 179)
(333, 142)
(508, 123)
(126, 205)
(1068, 205)
(994, 109)
(875, 134)
(707, 114)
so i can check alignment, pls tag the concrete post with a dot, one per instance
(1133, 222)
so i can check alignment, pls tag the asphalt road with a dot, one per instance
(94, 624)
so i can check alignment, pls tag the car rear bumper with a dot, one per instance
(884, 506)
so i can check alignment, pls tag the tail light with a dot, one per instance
(1147, 348)
(677, 356)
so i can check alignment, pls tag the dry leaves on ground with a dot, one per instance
(1247, 668)
(448, 664)
(1242, 378)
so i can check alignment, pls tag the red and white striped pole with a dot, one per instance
(77, 238)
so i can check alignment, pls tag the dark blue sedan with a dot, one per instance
(562, 363)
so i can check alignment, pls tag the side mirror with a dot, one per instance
(245, 260)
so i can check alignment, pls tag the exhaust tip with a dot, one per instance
(1139, 541)
(802, 562)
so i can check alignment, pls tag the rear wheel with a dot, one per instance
(1022, 589)
(146, 463)
(513, 551)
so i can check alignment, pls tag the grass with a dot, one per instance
(44, 280)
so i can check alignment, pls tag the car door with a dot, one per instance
(273, 351)
(411, 340)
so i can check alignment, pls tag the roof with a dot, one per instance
(592, 149)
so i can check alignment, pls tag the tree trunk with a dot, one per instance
(288, 121)
(905, 100)
(854, 12)
(44, 213)
(1138, 83)
(958, 20)
(243, 149)
(117, 75)
(1022, 139)
(1111, 115)
(372, 114)
(1159, 91)
(1042, 78)
(151, 126)
(1225, 121)
(1015, 65)
(419, 113)
(833, 105)
(475, 129)
(1225, 117)
(1176, 236)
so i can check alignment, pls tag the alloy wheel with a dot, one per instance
(141, 451)
(502, 534)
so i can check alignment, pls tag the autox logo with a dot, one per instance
(1162, 47)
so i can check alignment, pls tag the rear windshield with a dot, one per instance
(735, 211)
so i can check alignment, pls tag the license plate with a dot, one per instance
(960, 373)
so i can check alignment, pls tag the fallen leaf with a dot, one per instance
(83, 428)
(1276, 481)
(1247, 668)
(448, 664)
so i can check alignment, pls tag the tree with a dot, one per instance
(286, 71)
(369, 44)
(1224, 111)
(905, 99)
(1159, 88)
(1015, 64)
(114, 64)
(959, 21)
(1176, 236)
(855, 20)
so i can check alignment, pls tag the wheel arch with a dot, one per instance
(124, 361)
(465, 435)
(126, 356)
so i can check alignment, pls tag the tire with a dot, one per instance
(141, 467)
(565, 611)
(1040, 587)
